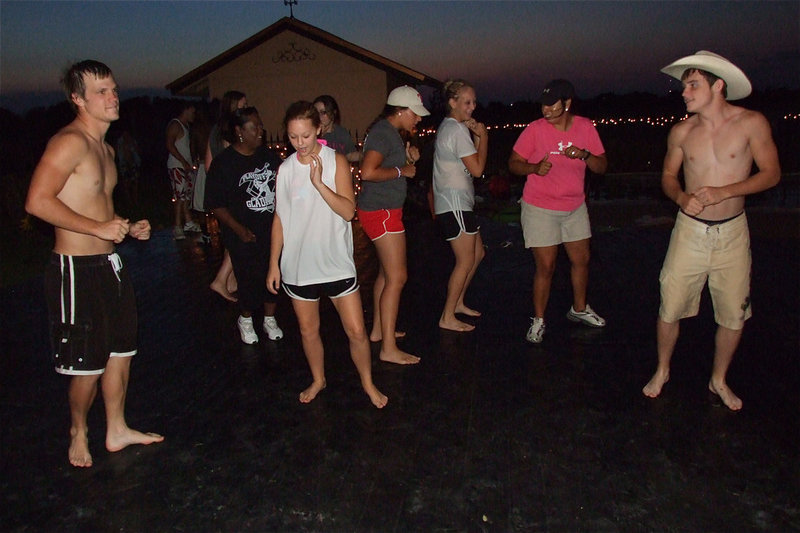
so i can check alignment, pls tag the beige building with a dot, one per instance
(291, 60)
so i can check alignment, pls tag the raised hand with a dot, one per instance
(140, 230)
(544, 166)
(114, 229)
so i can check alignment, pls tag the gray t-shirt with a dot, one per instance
(339, 139)
(384, 139)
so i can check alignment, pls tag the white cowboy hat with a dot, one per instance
(736, 80)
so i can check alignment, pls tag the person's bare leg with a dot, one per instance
(82, 392)
(221, 283)
(177, 204)
(725, 344)
(545, 259)
(375, 334)
(578, 253)
(352, 317)
(666, 337)
(187, 214)
(308, 320)
(377, 290)
(464, 250)
(115, 388)
(479, 254)
(391, 250)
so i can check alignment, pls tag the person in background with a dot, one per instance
(312, 246)
(461, 150)
(388, 161)
(716, 146)
(130, 165)
(90, 298)
(224, 282)
(554, 152)
(181, 169)
(333, 133)
(241, 192)
(199, 140)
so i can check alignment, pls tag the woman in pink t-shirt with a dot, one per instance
(554, 153)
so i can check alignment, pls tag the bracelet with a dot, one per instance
(399, 173)
(588, 154)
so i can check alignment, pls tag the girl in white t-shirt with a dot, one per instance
(461, 152)
(313, 240)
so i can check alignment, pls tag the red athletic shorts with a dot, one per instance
(378, 223)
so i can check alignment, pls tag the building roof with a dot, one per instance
(400, 72)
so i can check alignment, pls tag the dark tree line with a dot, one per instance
(630, 147)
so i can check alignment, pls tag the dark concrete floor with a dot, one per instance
(487, 433)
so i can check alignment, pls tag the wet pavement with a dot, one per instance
(487, 433)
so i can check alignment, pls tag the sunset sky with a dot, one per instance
(508, 50)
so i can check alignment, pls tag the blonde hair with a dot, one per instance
(451, 89)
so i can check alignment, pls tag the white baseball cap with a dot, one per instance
(405, 96)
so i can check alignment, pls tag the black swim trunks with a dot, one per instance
(92, 311)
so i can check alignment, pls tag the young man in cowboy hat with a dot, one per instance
(716, 146)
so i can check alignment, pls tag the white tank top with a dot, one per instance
(182, 145)
(317, 243)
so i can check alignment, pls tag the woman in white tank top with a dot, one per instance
(312, 246)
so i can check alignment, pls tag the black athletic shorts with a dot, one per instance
(92, 312)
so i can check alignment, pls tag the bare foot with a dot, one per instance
(308, 395)
(464, 310)
(654, 386)
(378, 337)
(399, 357)
(733, 402)
(377, 398)
(455, 324)
(119, 440)
(222, 290)
(79, 449)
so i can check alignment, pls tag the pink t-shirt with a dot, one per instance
(562, 188)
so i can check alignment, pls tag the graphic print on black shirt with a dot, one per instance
(261, 188)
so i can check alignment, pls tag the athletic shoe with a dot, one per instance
(536, 331)
(271, 328)
(192, 226)
(178, 234)
(587, 316)
(246, 330)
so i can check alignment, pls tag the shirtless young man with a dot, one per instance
(90, 296)
(717, 146)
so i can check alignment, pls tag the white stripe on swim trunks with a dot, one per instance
(71, 273)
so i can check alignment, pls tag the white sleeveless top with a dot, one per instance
(317, 243)
(183, 147)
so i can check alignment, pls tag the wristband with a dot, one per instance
(588, 154)
(399, 173)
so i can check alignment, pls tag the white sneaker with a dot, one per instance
(178, 234)
(271, 328)
(587, 316)
(536, 331)
(246, 330)
(191, 226)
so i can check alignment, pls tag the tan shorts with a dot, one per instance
(546, 227)
(699, 252)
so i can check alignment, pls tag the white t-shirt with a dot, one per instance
(317, 243)
(453, 189)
